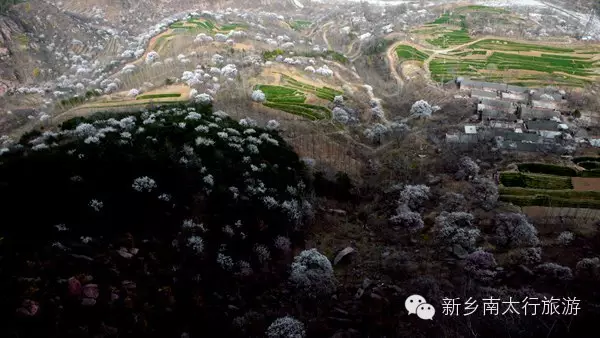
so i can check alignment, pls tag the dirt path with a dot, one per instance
(324, 35)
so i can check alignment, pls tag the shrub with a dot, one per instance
(409, 220)
(513, 230)
(340, 115)
(467, 168)
(485, 193)
(565, 238)
(554, 271)
(312, 275)
(258, 96)
(450, 236)
(481, 266)
(421, 108)
(452, 201)
(531, 255)
(286, 327)
(454, 219)
(414, 196)
(588, 268)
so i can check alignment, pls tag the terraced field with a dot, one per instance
(554, 186)
(499, 60)
(300, 24)
(206, 25)
(406, 52)
(291, 98)
(443, 31)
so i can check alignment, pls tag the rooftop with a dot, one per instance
(542, 125)
(496, 103)
(483, 93)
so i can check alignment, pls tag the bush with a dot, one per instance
(452, 201)
(481, 266)
(485, 193)
(414, 196)
(554, 271)
(565, 238)
(514, 231)
(409, 220)
(286, 327)
(467, 168)
(421, 108)
(312, 275)
(455, 228)
(550, 169)
(588, 268)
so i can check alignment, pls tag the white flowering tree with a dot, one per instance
(421, 108)
(258, 96)
(286, 327)
(312, 274)
(514, 230)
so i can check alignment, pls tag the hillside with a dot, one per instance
(299, 169)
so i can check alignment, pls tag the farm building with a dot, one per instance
(544, 104)
(492, 114)
(542, 125)
(517, 89)
(498, 104)
(517, 127)
(476, 93)
(467, 84)
(541, 96)
(528, 113)
(515, 97)
(462, 138)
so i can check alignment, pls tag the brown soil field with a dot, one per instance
(586, 183)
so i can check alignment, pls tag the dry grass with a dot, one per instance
(586, 183)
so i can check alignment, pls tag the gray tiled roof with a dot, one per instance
(538, 113)
(483, 93)
(497, 103)
(542, 125)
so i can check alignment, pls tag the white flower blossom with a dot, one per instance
(144, 184)
(96, 205)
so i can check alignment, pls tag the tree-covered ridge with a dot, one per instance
(202, 198)
(5, 5)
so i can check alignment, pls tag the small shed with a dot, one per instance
(470, 130)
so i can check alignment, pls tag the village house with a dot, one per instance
(493, 114)
(476, 93)
(515, 97)
(498, 104)
(528, 113)
(540, 96)
(467, 84)
(544, 104)
(542, 125)
(514, 126)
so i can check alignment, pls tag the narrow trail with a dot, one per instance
(324, 35)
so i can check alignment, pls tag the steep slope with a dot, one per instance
(39, 42)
